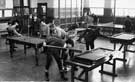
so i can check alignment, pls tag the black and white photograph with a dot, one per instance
(67, 40)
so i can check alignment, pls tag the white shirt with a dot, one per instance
(60, 32)
(44, 29)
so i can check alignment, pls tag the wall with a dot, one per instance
(49, 2)
(53, 9)
(107, 8)
(2, 4)
(16, 2)
(33, 3)
(86, 6)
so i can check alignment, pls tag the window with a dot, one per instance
(125, 3)
(25, 2)
(73, 8)
(96, 3)
(56, 6)
(124, 7)
(0, 13)
(79, 8)
(97, 11)
(97, 6)
(62, 8)
(9, 3)
(68, 8)
(7, 13)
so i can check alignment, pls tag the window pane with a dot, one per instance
(56, 6)
(68, 8)
(0, 13)
(78, 7)
(96, 3)
(124, 7)
(25, 2)
(68, 3)
(97, 11)
(74, 12)
(62, 8)
(62, 3)
(96, 6)
(125, 12)
(7, 13)
(73, 3)
(73, 8)
(9, 3)
(112, 3)
(125, 3)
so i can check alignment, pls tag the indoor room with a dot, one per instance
(67, 40)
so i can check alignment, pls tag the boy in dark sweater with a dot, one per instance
(90, 35)
(58, 54)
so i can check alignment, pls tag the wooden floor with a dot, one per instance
(22, 68)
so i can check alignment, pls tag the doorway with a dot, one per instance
(42, 10)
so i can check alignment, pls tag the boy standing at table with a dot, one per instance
(12, 29)
(90, 36)
(57, 54)
(128, 24)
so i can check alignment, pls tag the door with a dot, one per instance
(42, 10)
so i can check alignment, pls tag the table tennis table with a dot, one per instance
(125, 39)
(90, 60)
(104, 27)
(109, 27)
(36, 43)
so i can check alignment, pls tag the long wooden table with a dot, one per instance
(108, 27)
(90, 60)
(36, 43)
(112, 28)
(125, 39)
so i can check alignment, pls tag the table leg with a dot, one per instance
(86, 76)
(121, 47)
(113, 32)
(114, 66)
(72, 73)
(81, 74)
(11, 45)
(25, 49)
(102, 67)
(114, 46)
(36, 55)
(124, 53)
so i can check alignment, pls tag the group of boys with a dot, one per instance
(56, 36)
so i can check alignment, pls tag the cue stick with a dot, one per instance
(72, 49)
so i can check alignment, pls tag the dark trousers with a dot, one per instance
(71, 54)
(58, 55)
(31, 30)
(128, 29)
(89, 44)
